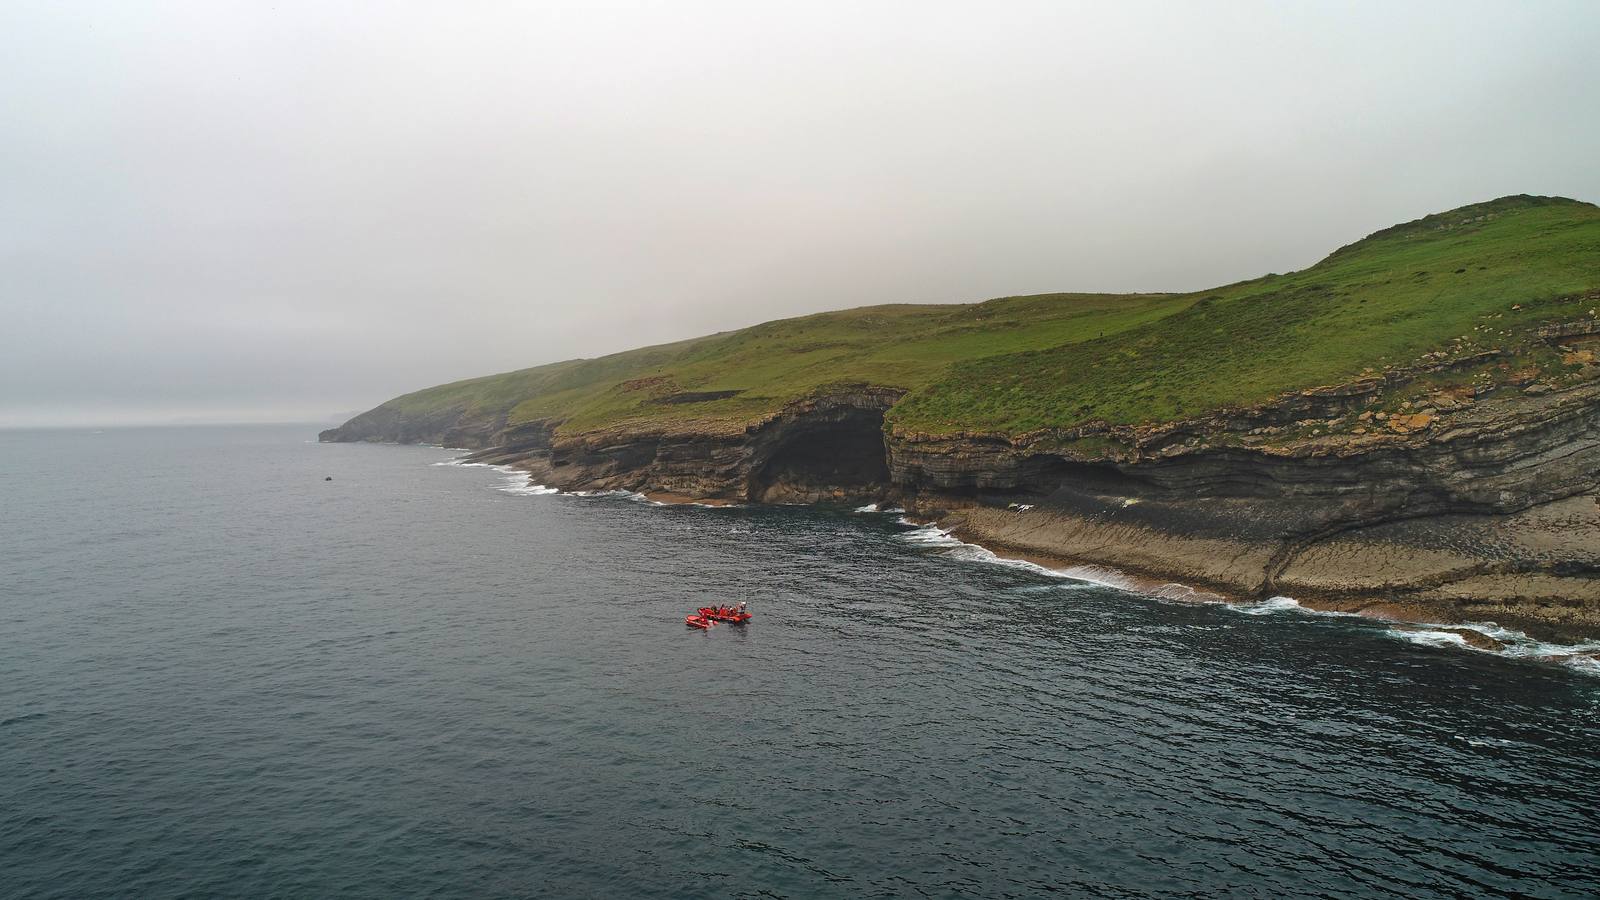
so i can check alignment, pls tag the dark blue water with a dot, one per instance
(221, 675)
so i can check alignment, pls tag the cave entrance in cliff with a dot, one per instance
(819, 458)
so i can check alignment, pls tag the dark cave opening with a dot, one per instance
(837, 454)
(1054, 473)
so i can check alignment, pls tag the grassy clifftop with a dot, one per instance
(1478, 277)
(1436, 284)
(731, 379)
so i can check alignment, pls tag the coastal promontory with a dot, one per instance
(1409, 427)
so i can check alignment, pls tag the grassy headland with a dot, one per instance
(1432, 285)
(1475, 278)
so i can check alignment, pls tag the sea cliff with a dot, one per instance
(1455, 476)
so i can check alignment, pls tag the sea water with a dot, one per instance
(223, 675)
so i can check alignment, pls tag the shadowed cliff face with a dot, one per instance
(832, 454)
(821, 449)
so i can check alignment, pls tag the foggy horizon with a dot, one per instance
(236, 212)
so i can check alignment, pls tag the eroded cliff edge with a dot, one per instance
(1456, 488)
(1407, 425)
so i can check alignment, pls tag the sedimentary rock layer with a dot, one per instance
(1483, 509)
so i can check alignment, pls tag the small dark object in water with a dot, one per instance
(328, 478)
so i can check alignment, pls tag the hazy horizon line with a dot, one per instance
(44, 421)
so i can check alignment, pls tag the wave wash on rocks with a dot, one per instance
(1462, 483)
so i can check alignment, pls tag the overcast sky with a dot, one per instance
(232, 211)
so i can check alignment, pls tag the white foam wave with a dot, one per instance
(519, 482)
(1280, 604)
(934, 537)
(516, 482)
(1588, 665)
(929, 535)
(1583, 656)
(1428, 638)
(877, 508)
(1268, 606)
(635, 496)
(1102, 576)
(974, 553)
(1184, 594)
(529, 489)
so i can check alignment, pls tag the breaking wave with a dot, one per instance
(516, 480)
(1268, 606)
(1273, 605)
(635, 496)
(1583, 656)
(520, 482)
(934, 537)
(528, 488)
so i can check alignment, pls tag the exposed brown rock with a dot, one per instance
(1461, 507)
(1407, 424)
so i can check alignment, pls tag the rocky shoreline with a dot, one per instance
(1397, 578)
(1415, 615)
(1458, 488)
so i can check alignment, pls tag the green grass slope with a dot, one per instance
(764, 367)
(1019, 364)
(1434, 284)
(728, 380)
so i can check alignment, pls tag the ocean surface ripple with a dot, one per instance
(222, 675)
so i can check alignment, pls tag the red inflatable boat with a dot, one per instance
(725, 614)
(696, 621)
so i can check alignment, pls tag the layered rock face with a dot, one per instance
(1487, 511)
(1473, 507)
(827, 448)
(1494, 457)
